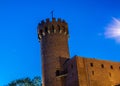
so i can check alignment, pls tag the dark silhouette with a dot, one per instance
(36, 81)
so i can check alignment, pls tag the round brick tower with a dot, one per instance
(53, 36)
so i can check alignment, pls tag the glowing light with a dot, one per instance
(113, 30)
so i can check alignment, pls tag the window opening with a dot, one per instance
(111, 67)
(102, 65)
(92, 72)
(91, 64)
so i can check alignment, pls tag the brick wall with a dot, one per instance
(93, 72)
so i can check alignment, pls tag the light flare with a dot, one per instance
(113, 30)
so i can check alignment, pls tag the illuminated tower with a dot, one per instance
(53, 36)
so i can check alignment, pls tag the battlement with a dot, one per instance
(52, 27)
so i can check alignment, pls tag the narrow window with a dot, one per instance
(57, 72)
(102, 65)
(52, 29)
(111, 67)
(91, 64)
(119, 67)
(110, 74)
(58, 28)
(92, 72)
(46, 29)
(41, 32)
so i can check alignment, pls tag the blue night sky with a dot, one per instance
(94, 27)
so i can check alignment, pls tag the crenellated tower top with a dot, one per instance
(51, 27)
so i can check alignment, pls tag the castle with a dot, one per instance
(58, 69)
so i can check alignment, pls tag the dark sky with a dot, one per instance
(94, 27)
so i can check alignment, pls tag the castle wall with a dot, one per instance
(98, 72)
(92, 72)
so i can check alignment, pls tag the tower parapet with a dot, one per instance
(50, 27)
